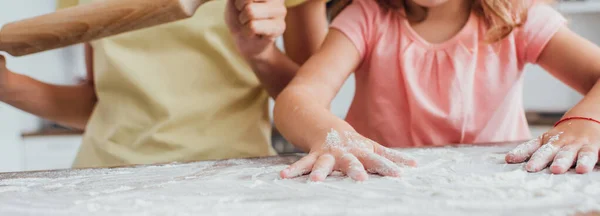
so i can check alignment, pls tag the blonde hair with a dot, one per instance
(501, 16)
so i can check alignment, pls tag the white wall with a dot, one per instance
(56, 66)
(542, 92)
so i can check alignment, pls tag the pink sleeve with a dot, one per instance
(356, 22)
(541, 25)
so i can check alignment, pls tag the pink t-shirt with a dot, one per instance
(413, 93)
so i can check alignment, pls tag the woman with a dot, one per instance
(181, 91)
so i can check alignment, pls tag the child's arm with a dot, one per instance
(67, 105)
(303, 117)
(576, 62)
(306, 29)
(256, 25)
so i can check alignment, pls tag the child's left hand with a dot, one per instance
(573, 142)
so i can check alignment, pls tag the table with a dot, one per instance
(456, 180)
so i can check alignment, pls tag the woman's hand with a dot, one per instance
(574, 142)
(350, 153)
(255, 25)
(4, 74)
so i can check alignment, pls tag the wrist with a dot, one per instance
(267, 61)
(7, 80)
(266, 56)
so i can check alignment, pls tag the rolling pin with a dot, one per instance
(90, 22)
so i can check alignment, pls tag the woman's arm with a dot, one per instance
(576, 62)
(302, 116)
(67, 105)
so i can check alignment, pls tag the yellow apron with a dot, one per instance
(175, 92)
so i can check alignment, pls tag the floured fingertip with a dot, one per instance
(561, 165)
(517, 155)
(555, 169)
(292, 173)
(510, 158)
(317, 176)
(520, 153)
(411, 163)
(582, 169)
(532, 166)
(283, 173)
(358, 175)
(585, 163)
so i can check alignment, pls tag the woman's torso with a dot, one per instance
(176, 92)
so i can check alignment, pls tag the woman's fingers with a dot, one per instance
(323, 167)
(240, 4)
(523, 151)
(349, 164)
(375, 163)
(259, 11)
(587, 158)
(269, 28)
(565, 158)
(301, 167)
(395, 156)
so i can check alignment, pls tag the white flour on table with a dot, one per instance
(448, 181)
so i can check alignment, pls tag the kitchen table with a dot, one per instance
(454, 180)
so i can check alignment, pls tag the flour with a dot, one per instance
(586, 159)
(566, 157)
(544, 153)
(521, 152)
(563, 162)
(333, 139)
(448, 181)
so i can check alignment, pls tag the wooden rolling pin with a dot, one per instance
(89, 22)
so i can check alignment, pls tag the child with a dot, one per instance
(429, 73)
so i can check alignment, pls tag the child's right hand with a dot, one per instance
(350, 153)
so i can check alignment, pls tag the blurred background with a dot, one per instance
(31, 143)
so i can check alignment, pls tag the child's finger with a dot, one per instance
(323, 167)
(587, 158)
(542, 157)
(301, 167)
(565, 158)
(378, 164)
(523, 151)
(353, 168)
(395, 156)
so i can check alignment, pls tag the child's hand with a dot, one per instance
(572, 142)
(255, 25)
(351, 154)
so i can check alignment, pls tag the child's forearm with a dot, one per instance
(305, 121)
(67, 105)
(589, 105)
